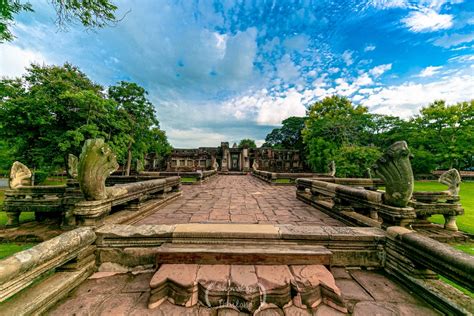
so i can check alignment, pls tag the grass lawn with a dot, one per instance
(283, 181)
(11, 248)
(188, 180)
(24, 217)
(465, 222)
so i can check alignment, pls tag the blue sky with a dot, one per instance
(227, 70)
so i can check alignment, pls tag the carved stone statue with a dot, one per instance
(452, 179)
(216, 165)
(140, 166)
(255, 165)
(394, 168)
(96, 163)
(332, 168)
(72, 162)
(18, 174)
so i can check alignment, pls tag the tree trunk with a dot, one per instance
(129, 159)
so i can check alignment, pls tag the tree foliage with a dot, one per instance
(91, 14)
(246, 142)
(440, 136)
(51, 110)
(288, 136)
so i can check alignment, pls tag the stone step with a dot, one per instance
(246, 288)
(243, 254)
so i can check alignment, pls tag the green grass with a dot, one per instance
(465, 222)
(455, 285)
(24, 217)
(54, 181)
(283, 181)
(188, 180)
(8, 249)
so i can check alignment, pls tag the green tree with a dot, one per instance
(288, 136)
(250, 143)
(91, 14)
(354, 161)
(332, 123)
(137, 115)
(49, 112)
(447, 131)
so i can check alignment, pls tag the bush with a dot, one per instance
(40, 176)
(353, 161)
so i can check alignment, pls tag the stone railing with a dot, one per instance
(86, 199)
(354, 202)
(33, 280)
(446, 203)
(45, 201)
(280, 178)
(416, 260)
(125, 197)
(198, 176)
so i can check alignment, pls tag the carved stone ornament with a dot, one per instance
(332, 168)
(72, 162)
(394, 168)
(255, 165)
(452, 179)
(18, 174)
(96, 163)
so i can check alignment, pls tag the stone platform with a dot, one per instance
(364, 293)
(239, 199)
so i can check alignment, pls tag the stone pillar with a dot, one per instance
(246, 160)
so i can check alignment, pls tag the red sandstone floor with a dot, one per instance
(239, 199)
(366, 293)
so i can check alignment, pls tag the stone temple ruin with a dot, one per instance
(230, 159)
(240, 241)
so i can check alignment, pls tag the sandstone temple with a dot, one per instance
(250, 234)
(233, 159)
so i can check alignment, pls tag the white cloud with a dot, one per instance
(363, 80)
(14, 59)
(429, 71)
(189, 138)
(377, 71)
(447, 41)
(427, 20)
(347, 57)
(406, 99)
(369, 48)
(267, 109)
(287, 70)
(389, 4)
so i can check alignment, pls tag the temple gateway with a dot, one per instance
(234, 159)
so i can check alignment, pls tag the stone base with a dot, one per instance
(245, 288)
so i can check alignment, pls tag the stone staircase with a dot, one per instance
(220, 279)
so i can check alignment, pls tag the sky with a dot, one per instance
(227, 70)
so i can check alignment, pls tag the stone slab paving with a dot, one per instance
(365, 293)
(239, 199)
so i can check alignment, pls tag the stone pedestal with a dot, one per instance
(92, 213)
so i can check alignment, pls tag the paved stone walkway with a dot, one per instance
(239, 199)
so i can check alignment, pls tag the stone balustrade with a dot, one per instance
(353, 202)
(280, 178)
(45, 201)
(35, 279)
(129, 196)
(199, 176)
(416, 260)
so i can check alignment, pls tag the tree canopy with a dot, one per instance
(288, 136)
(246, 142)
(440, 136)
(50, 111)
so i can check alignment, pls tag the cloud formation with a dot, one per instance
(230, 70)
